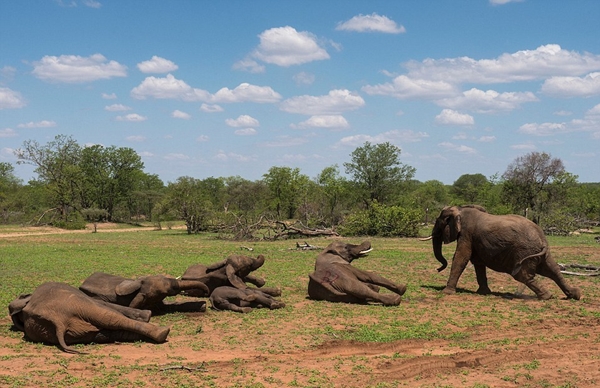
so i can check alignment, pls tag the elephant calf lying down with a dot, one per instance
(336, 280)
(62, 315)
(242, 301)
(234, 271)
(146, 292)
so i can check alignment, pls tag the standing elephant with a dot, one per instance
(146, 292)
(336, 280)
(242, 300)
(234, 271)
(510, 243)
(62, 315)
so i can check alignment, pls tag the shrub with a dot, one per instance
(381, 220)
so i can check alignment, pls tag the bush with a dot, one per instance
(70, 225)
(381, 220)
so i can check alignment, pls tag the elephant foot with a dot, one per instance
(160, 334)
(449, 291)
(484, 291)
(544, 296)
(574, 293)
(245, 310)
(401, 289)
(392, 300)
(277, 305)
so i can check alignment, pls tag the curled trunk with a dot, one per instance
(437, 251)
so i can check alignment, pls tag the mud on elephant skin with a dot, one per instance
(242, 300)
(510, 244)
(336, 280)
(234, 271)
(146, 292)
(46, 316)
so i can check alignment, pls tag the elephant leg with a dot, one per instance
(526, 274)
(373, 287)
(273, 291)
(356, 288)
(459, 263)
(480, 272)
(129, 312)
(378, 280)
(550, 269)
(266, 300)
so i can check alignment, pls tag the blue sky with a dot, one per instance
(233, 88)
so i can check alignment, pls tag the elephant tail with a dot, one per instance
(519, 264)
(62, 344)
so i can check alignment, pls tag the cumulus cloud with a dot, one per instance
(489, 101)
(324, 121)
(7, 132)
(177, 114)
(335, 102)
(157, 65)
(371, 23)
(39, 124)
(133, 117)
(245, 132)
(523, 147)
(284, 46)
(77, 69)
(249, 65)
(304, 78)
(245, 92)
(589, 123)
(457, 147)
(452, 117)
(394, 137)
(10, 99)
(107, 96)
(136, 139)
(168, 87)
(208, 108)
(404, 87)
(227, 156)
(243, 121)
(202, 138)
(573, 86)
(487, 139)
(117, 108)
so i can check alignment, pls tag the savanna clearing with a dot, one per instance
(430, 340)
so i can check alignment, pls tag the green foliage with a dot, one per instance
(381, 220)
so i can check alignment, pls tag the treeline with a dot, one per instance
(378, 194)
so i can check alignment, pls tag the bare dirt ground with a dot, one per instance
(541, 351)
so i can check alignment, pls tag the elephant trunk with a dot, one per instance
(186, 285)
(437, 251)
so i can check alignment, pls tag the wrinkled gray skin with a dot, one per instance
(510, 243)
(146, 292)
(242, 300)
(234, 271)
(336, 280)
(62, 315)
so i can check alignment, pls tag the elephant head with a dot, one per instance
(15, 309)
(447, 229)
(348, 252)
(238, 268)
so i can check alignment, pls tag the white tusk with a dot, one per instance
(426, 238)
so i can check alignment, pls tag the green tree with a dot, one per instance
(287, 188)
(187, 199)
(377, 171)
(333, 190)
(9, 188)
(470, 188)
(430, 196)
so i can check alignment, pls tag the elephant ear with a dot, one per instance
(453, 228)
(234, 279)
(128, 287)
(216, 266)
(15, 307)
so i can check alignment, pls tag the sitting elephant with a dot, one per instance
(62, 315)
(146, 292)
(234, 271)
(242, 300)
(509, 243)
(336, 280)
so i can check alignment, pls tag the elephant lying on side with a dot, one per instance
(234, 271)
(511, 244)
(336, 280)
(62, 315)
(242, 300)
(146, 292)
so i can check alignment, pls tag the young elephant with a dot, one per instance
(242, 301)
(146, 292)
(336, 280)
(234, 271)
(62, 315)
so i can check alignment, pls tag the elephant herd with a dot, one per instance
(109, 308)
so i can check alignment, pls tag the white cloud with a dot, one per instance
(249, 65)
(202, 138)
(243, 121)
(211, 108)
(8, 72)
(286, 141)
(404, 87)
(39, 124)
(371, 23)
(487, 139)
(489, 101)
(245, 92)
(458, 148)
(589, 123)
(157, 65)
(146, 154)
(284, 46)
(111, 96)
(226, 156)
(335, 102)
(395, 136)
(304, 78)
(117, 108)
(133, 117)
(573, 86)
(9, 99)
(523, 147)
(452, 117)
(324, 121)
(77, 69)
(168, 87)
(92, 3)
(563, 113)
(245, 132)
(180, 115)
(136, 139)
(8, 132)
